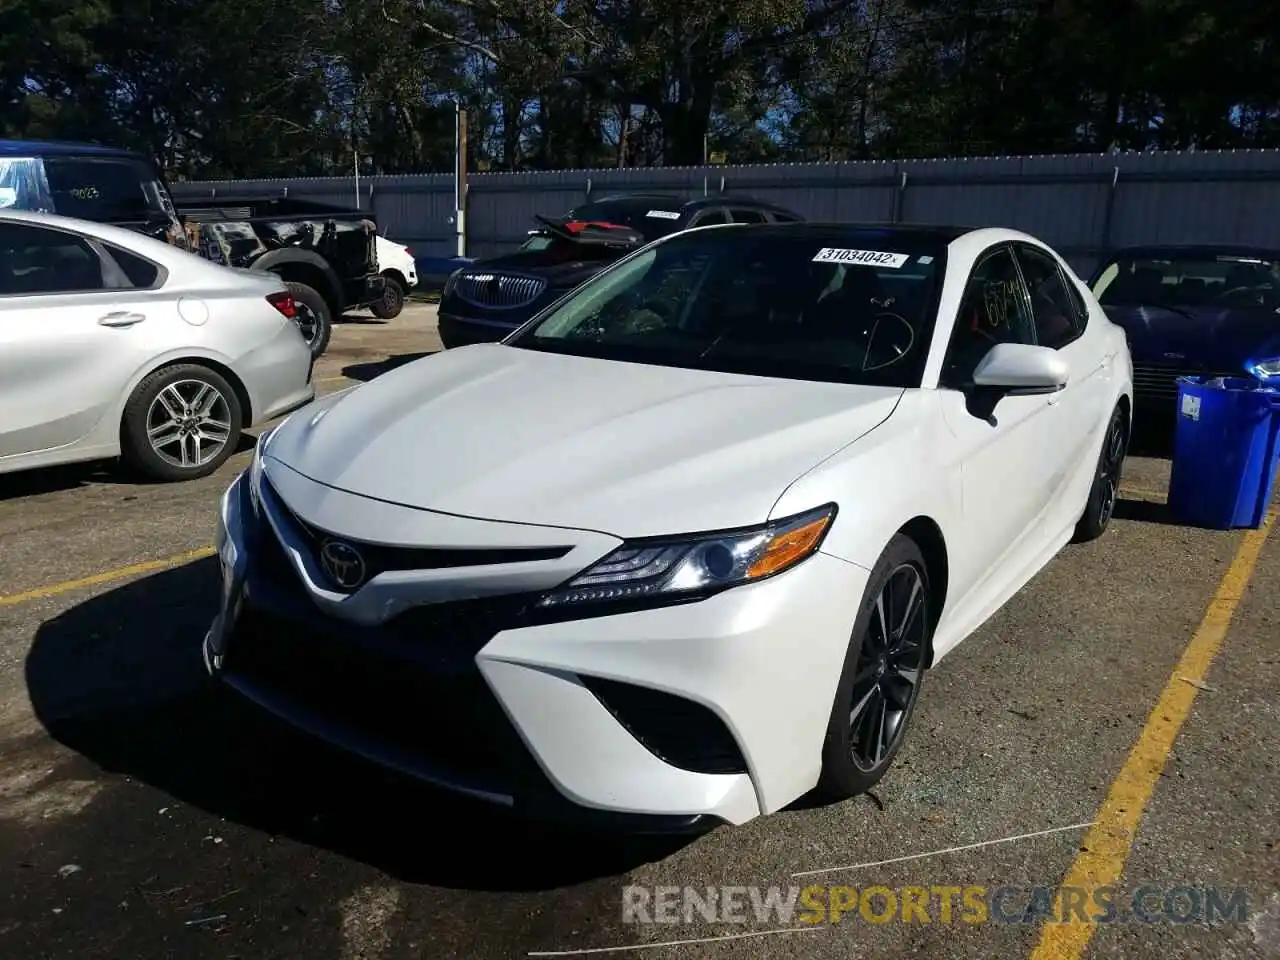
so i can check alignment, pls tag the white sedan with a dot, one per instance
(113, 343)
(683, 547)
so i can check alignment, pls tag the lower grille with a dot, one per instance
(675, 730)
(497, 290)
(1160, 382)
(451, 722)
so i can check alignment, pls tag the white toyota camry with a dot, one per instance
(682, 548)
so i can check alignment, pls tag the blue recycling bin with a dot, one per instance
(1224, 453)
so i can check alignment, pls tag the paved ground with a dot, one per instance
(139, 818)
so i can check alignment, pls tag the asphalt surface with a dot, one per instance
(141, 816)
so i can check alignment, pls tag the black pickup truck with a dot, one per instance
(326, 255)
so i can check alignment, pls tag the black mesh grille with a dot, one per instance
(403, 696)
(1160, 382)
(675, 730)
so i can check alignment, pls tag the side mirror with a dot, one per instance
(1021, 368)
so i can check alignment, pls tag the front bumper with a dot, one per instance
(456, 331)
(659, 720)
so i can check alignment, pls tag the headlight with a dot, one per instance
(1263, 369)
(698, 564)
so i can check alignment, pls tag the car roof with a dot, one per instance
(1192, 251)
(940, 233)
(62, 148)
(687, 203)
(110, 233)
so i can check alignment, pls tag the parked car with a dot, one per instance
(116, 344)
(325, 253)
(1193, 311)
(684, 547)
(400, 271)
(491, 297)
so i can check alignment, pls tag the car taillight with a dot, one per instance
(408, 251)
(284, 303)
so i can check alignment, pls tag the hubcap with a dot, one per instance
(306, 320)
(887, 676)
(188, 423)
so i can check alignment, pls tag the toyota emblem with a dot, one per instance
(342, 564)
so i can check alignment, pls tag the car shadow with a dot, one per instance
(1145, 511)
(1152, 435)
(72, 476)
(119, 680)
(361, 319)
(368, 371)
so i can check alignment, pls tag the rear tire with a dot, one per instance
(1105, 490)
(883, 670)
(392, 302)
(314, 319)
(181, 423)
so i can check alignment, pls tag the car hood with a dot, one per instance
(501, 433)
(1212, 337)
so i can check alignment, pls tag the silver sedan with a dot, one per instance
(113, 344)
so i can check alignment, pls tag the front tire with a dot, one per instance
(181, 423)
(1105, 490)
(392, 302)
(880, 682)
(314, 318)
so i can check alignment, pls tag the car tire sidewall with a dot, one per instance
(841, 778)
(390, 305)
(311, 298)
(136, 448)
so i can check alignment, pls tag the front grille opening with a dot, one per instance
(447, 718)
(675, 730)
(1160, 381)
(498, 291)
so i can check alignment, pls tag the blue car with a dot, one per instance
(1205, 311)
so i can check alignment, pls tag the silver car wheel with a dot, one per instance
(188, 423)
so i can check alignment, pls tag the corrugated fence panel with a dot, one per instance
(1080, 203)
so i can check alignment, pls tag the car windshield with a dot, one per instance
(652, 216)
(842, 306)
(105, 189)
(1224, 280)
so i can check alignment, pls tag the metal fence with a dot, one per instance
(1081, 204)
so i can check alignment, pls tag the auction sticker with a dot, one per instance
(871, 258)
(1191, 406)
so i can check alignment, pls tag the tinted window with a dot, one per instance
(710, 217)
(842, 306)
(1056, 315)
(993, 310)
(140, 273)
(748, 216)
(104, 190)
(38, 260)
(785, 217)
(654, 217)
(1189, 281)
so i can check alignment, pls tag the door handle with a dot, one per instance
(120, 318)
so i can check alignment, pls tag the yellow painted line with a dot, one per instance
(107, 576)
(336, 380)
(1106, 847)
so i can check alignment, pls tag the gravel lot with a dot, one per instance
(141, 818)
